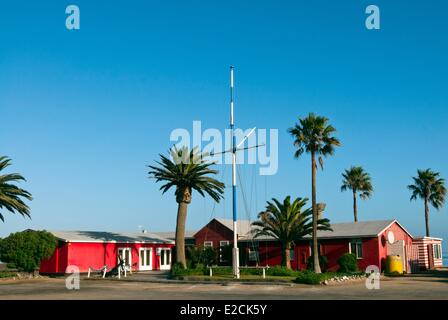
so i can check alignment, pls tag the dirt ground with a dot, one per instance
(415, 287)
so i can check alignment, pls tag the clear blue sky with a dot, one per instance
(83, 112)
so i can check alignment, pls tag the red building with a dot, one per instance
(95, 249)
(370, 241)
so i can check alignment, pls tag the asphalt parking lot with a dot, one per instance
(415, 287)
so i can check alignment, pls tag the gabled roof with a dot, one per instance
(243, 227)
(360, 229)
(105, 236)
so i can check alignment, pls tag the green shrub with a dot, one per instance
(348, 263)
(6, 274)
(25, 250)
(309, 277)
(280, 272)
(206, 256)
(178, 270)
(323, 262)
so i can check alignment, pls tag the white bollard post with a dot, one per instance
(104, 272)
(264, 273)
(211, 271)
(119, 273)
(88, 273)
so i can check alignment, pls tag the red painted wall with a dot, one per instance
(95, 255)
(399, 234)
(213, 231)
(374, 249)
(57, 263)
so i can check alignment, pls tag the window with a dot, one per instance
(356, 248)
(208, 244)
(437, 249)
(223, 243)
(145, 258)
(222, 246)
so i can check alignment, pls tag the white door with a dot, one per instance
(126, 256)
(145, 259)
(165, 258)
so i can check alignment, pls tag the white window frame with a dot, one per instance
(166, 266)
(222, 243)
(123, 249)
(208, 244)
(356, 242)
(145, 266)
(437, 251)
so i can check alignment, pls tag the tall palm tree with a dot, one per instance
(287, 223)
(11, 195)
(431, 188)
(314, 135)
(187, 171)
(357, 180)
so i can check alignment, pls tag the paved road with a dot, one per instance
(396, 288)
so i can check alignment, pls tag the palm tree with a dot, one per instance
(10, 195)
(187, 171)
(287, 223)
(313, 135)
(357, 180)
(429, 187)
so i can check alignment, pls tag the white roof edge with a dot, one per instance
(429, 238)
(392, 222)
(114, 241)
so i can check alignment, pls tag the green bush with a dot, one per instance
(323, 262)
(348, 263)
(25, 250)
(6, 274)
(309, 277)
(179, 270)
(206, 256)
(280, 272)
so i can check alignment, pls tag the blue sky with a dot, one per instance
(83, 112)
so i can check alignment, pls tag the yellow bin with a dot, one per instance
(394, 264)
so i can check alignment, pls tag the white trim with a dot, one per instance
(208, 244)
(395, 221)
(129, 266)
(165, 266)
(427, 238)
(146, 265)
(114, 241)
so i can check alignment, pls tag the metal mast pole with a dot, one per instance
(235, 260)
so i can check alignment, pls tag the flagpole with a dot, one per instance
(235, 260)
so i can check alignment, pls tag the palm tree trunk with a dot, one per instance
(180, 233)
(286, 253)
(427, 217)
(314, 206)
(355, 210)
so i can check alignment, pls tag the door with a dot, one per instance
(430, 257)
(165, 258)
(125, 255)
(145, 259)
